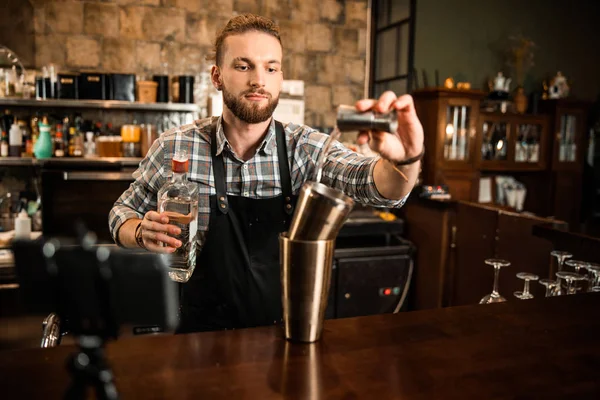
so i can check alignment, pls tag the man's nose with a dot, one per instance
(257, 78)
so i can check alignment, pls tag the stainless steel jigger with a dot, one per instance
(305, 279)
(350, 119)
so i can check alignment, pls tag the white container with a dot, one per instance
(23, 226)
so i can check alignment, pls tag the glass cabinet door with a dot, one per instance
(494, 144)
(528, 143)
(456, 141)
(567, 144)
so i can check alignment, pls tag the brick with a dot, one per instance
(330, 69)
(318, 37)
(201, 29)
(362, 43)
(331, 10)
(246, 6)
(65, 17)
(164, 24)
(293, 36)
(131, 20)
(220, 7)
(83, 52)
(101, 19)
(144, 2)
(346, 42)
(276, 9)
(355, 70)
(50, 49)
(329, 118)
(193, 59)
(119, 55)
(356, 14)
(317, 98)
(306, 10)
(148, 57)
(300, 67)
(345, 94)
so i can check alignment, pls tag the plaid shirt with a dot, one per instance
(258, 177)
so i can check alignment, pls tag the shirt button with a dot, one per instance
(245, 166)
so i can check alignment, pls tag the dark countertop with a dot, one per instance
(541, 348)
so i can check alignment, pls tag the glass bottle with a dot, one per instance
(59, 145)
(178, 199)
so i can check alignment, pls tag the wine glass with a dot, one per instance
(550, 286)
(560, 256)
(495, 297)
(570, 277)
(576, 264)
(579, 267)
(593, 277)
(525, 294)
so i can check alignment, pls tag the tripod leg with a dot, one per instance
(77, 388)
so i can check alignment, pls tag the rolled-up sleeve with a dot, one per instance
(348, 171)
(141, 196)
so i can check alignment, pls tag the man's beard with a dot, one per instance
(252, 113)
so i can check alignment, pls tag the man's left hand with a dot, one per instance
(407, 141)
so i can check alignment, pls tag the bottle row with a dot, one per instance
(46, 136)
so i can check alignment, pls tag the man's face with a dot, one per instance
(250, 75)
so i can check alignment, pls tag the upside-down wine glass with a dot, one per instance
(525, 294)
(495, 297)
(570, 277)
(560, 256)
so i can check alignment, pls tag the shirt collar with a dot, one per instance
(267, 145)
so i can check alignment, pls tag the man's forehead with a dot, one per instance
(258, 46)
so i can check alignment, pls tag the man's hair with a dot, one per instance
(241, 24)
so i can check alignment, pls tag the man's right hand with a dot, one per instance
(155, 233)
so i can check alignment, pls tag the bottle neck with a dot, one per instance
(179, 176)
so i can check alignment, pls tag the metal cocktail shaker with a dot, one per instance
(320, 212)
(305, 279)
(350, 119)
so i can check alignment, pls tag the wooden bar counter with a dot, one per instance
(540, 348)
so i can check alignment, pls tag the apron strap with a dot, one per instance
(218, 171)
(284, 169)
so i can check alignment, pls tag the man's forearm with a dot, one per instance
(390, 183)
(126, 233)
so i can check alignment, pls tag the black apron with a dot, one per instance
(236, 283)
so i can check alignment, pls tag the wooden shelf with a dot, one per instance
(100, 105)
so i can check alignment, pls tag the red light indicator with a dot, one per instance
(387, 291)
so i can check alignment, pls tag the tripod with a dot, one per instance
(88, 367)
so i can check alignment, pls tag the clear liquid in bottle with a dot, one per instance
(178, 199)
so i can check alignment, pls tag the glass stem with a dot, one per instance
(570, 287)
(496, 274)
(561, 261)
(526, 289)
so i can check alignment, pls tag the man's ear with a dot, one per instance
(216, 78)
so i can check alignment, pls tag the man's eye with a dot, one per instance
(242, 67)
(272, 70)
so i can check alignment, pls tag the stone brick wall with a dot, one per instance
(324, 40)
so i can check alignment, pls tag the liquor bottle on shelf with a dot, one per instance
(15, 139)
(4, 144)
(178, 198)
(59, 145)
(75, 143)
